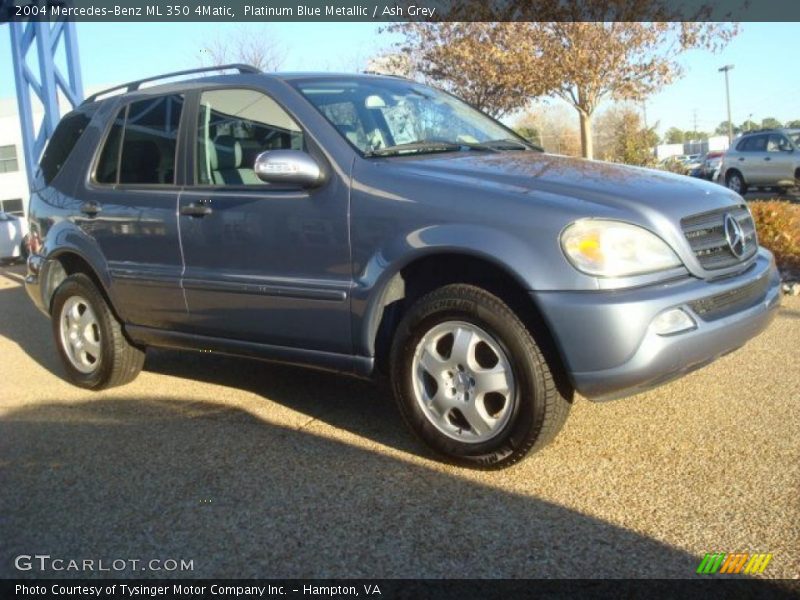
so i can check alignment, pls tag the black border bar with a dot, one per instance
(398, 10)
(422, 589)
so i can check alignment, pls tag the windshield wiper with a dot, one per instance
(507, 144)
(417, 147)
(431, 146)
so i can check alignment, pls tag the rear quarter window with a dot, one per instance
(61, 145)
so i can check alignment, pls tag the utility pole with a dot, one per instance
(644, 112)
(725, 70)
(694, 120)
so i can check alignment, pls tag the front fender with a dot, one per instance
(375, 285)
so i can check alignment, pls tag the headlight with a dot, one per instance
(615, 249)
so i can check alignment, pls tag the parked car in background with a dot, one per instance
(371, 224)
(13, 237)
(692, 162)
(767, 158)
(709, 163)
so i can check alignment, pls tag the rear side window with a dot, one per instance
(62, 143)
(756, 143)
(141, 145)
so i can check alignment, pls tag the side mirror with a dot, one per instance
(288, 166)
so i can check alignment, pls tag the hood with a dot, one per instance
(616, 186)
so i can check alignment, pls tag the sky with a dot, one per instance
(764, 81)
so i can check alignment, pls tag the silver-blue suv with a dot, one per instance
(365, 225)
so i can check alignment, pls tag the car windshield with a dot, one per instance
(795, 137)
(382, 117)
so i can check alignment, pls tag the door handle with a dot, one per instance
(90, 208)
(741, 158)
(767, 158)
(196, 209)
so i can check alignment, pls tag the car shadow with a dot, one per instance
(362, 407)
(151, 477)
(22, 323)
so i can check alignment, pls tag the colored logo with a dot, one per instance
(742, 562)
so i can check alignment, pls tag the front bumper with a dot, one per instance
(609, 344)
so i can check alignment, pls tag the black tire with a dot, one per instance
(24, 248)
(781, 191)
(120, 361)
(539, 410)
(734, 181)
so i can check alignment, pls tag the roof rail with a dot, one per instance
(373, 72)
(762, 130)
(132, 86)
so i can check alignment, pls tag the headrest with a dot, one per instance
(229, 153)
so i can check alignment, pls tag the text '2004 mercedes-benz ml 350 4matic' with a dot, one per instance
(368, 224)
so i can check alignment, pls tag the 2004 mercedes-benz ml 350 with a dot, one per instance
(367, 224)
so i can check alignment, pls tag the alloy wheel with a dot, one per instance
(463, 381)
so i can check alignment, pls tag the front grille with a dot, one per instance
(727, 303)
(706, 235)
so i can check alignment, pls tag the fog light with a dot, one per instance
(672, 321)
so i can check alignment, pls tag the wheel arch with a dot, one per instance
(422, 273)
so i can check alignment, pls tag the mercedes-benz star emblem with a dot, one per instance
(734, 235)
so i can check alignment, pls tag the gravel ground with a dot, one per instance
(250, 469)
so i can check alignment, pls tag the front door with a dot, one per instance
(129, 207)
(263, 263)
(779, 159)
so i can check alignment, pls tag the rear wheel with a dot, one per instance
(735, 182)
(471, 381)
(93, 348)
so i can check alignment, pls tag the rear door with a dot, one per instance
(129, 207)
(264, 263)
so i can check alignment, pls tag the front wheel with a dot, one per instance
(471, 381)
(93, 348)
(735, 182)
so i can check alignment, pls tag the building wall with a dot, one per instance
(13, 184)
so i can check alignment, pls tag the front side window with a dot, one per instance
(382, 116)
(233, 127)
(141, 145)
(778, 143)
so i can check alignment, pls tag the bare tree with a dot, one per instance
(255, 47)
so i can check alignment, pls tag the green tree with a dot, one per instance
(748, 126)
(530, 133)
(622, 137)
(722, 129)
(695, 135)
(674, 136)
(771, 123)
(793, 124)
